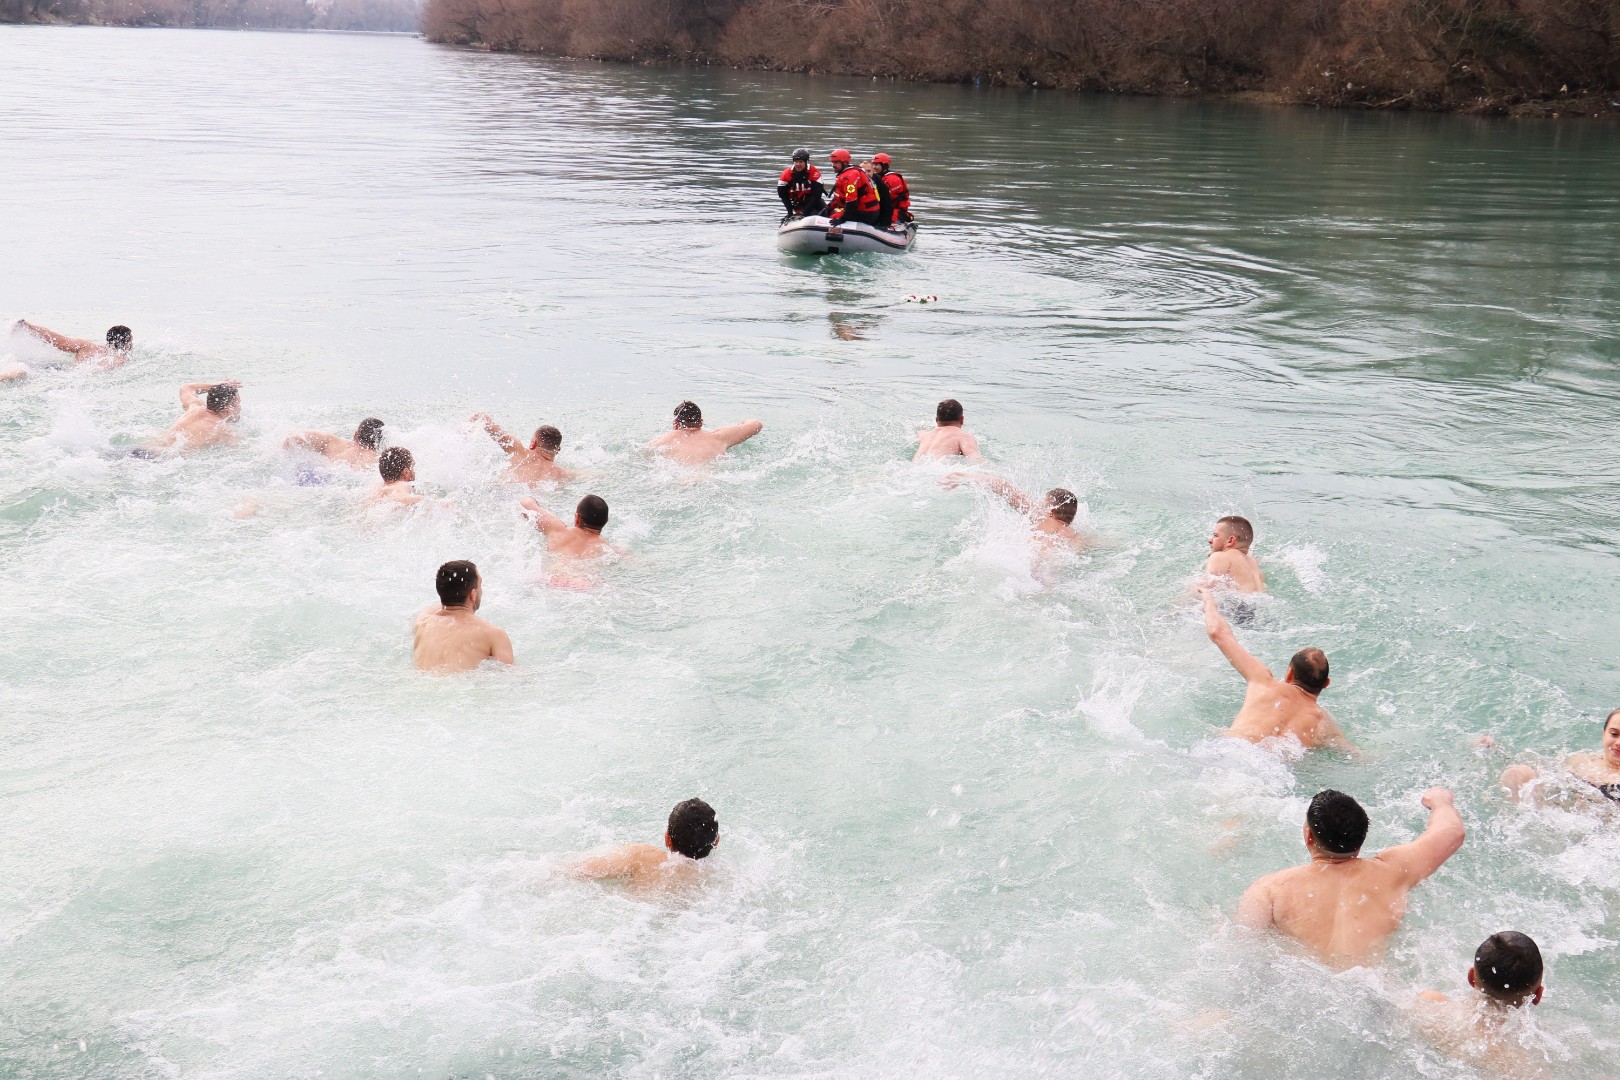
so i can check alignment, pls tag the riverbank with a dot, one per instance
(1501, 57)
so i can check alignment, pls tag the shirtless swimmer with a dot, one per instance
(1506, 977)
(687, 443)
(451, 637)
(1053, 517)
(397, 467)
(359, 452)
(1229, 556)
(1341, 907)
(535, 463)
(115, 353)
(211, 412)
(946, 438)
(692, 833)
(580, 541)
(1272, 707)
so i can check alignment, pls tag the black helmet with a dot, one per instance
(801, 154)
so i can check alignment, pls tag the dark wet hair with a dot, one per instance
(948, 412)
(592, 512)
(221, 397)
(1337, 821)
(1062, 504)
(688, 415)
(693, 828)
(121, 338)
(393, 463)
(369, 433)
(1240, 529)
(547, 437)
(455, 582)
(1507, 966)
(1310, 670)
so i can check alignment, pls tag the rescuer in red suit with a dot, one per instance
(899, 193)
(800, 186)
(854, 198)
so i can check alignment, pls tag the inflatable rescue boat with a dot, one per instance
(814, 236)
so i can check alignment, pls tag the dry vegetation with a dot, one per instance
(266, 14)
(1483, 55)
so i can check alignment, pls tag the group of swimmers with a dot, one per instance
(1340, 906)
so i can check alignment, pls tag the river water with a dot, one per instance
(974, 818)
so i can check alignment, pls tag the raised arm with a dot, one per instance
(1220, 632)
(733, 434)
(1438, 843)
(55, 340)
(318, 441)
(192, 394)
(546, 522)
(503, 438)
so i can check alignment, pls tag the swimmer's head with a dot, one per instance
(120, 339)
(1061, 504)
(693, 830)
(591, 513)
(369, 433)
(1232, 532)
(688, 415)
(1335, 824)
(1611, 738)
(224, 401)
(395, 464)
(459, 585)
(948, 411)
(547, 439)
(1308, 670)
(1507, 968)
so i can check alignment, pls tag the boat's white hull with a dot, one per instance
(813, 236)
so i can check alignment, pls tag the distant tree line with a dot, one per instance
(1427, 54)
(264, 14)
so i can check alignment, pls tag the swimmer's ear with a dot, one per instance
(1541, 988)
(1472, 981)
(669, 841)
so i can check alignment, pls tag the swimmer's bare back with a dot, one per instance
(946, 442)
(446, 640)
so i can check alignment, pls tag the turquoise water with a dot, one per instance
(972, 814)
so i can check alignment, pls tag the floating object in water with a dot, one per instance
(915, 299)
(817, 236)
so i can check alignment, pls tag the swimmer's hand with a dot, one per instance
(1437, 797)
(529, 504)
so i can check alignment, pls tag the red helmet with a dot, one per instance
(881, 159)
(839, 156)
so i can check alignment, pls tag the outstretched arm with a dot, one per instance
(1015, 498)
(318, 441)
(546, 522)
(55, 340)
(739, 433)
(970, 447)
(503, 438)
(1220, 632)
(1438, 843)
(618, 863)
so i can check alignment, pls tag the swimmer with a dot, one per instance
(532, 464)
(580, 541)
(946, 438)
(691, 834)
(1277, 708)
(397, 467)
(359, 452)
(1601, 770)
(1506, 977)
(689, 444)
(1053, 517)
(211, 410)
(115, 353)
(451, 637)
(1341, 907)
(1229, 556)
